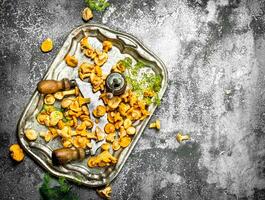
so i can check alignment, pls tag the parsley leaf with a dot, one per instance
(97, 5)
(60, 192)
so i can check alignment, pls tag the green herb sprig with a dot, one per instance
(97, 5)
(147, 82)
(60, 192)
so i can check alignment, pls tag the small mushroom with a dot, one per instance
(105, 192)
(83, 76)
(31, 134)
(155, 124)
(101, 58)
(110, 137)
(49, 99)
(71, 61)
(131, 130)
(46, 45)
(85, 44)
(180, 138)
(115, 145)
(114, 102)
(86, 68)
(90, 53)
(125, 141)
(99, 111)
(87, 14)
(99, 134)
(61, 95)
(83, 101)
(55, 116)
(66, 102)
(89, 123)
(105, 146)
(127, 123)
(16, 152)
(109, 128)
(107, 45)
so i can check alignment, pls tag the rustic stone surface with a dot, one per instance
(215, 55)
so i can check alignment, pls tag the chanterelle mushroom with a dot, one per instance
(180, 138)
(155, 124)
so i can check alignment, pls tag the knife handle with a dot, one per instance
(52, 86)
(65, 155)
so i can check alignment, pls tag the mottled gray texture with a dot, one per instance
(215, 55)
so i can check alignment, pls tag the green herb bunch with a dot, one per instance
(62, 191)
(147, 82)
(97, 5)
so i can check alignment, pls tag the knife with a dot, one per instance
(63, 156)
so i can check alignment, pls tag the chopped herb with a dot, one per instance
(157, 100)
(97, 5)
(148, 100)
(137, 67)
(150, 82)
(127, 62)
(60, 192)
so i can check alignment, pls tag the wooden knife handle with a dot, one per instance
(65, 155)
(52, 86)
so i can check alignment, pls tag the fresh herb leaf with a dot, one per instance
(137, 67)
(150, 82)
(157, 100)
(97, 5)
(61, 192)
(127, 62)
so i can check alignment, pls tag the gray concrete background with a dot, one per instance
(215, 55)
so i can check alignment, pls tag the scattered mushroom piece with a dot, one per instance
(105, 146)
(47, 45)
(82, 100)
(155, 124)
(101, 58)
(75, 106)
(99, 111)
(87, 14)
(180, 138)
(61, 95)
(109, 128)
(55, 116)
(85, 44)
(131, 130)
(99, 134)
(105, 192)
(89, 123)
(114, 102)
(16, 152)
(127, 123)
(31, 134)
(110, 137)
(71, 61)
(125, 141)
(66, 102)
(115, 145)
(49, 99)
(107, 45)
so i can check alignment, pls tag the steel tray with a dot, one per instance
(124, 45)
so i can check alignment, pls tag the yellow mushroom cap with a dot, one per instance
(125, 141)
(31, 134)
(181, 137)
(47, 45)
(17, 153)
(131, 130)
(109, 128)
(49, 99)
